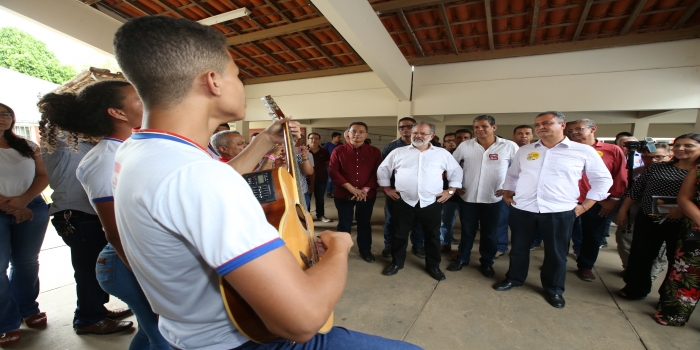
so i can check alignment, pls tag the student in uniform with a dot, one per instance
(107, 109)
(181, 233)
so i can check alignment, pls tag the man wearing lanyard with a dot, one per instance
(542, 188)
(418, 195)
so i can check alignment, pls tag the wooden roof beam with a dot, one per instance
(686, 15)
(410, 32)
(316, 46)
(582, 21)
(633, 17)
(535, 15)
(278, 31)
(489, 25)
(448, 29)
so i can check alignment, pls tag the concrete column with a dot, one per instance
(403, 109)
(241, 126)
(697, 121)
(641, 129)
(440, 130)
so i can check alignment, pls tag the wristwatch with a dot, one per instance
(614, 198)
(450, 192)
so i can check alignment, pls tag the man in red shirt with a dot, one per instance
(353, 170)
(593, 223)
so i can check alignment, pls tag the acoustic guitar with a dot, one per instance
(279, 192)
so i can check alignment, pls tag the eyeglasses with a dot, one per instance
(403, 127)
(357, 132)
(6, 115)
(579, 129)
(420, 134)
(654, 157)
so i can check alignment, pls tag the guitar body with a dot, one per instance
(295, 226)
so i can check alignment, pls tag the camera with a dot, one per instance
(647, 143)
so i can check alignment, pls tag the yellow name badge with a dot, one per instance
(533, 156)
(600, 153)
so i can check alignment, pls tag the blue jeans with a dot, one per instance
(502, 228)
(555, 229)
(486, 217)
(330, 186)
(447, 222)
(319, 193)
(337, 339)
(307, 198)
(417, 235)
(362, 212)
(20, 245)
(116, 279)
(86, 242)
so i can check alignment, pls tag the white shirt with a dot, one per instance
(185, 220)
(419, 174)
(16, 171)
(545, 180)
(95, 170)
(484, 169)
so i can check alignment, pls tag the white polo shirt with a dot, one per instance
(545, 180)
(184, 220)
(484, 169)
(95, 170)
(419, 174)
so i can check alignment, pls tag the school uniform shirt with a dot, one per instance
(484, 169)
(545, 180)
(61, 164)
(212, 152)
(615, 162)
(419, 174)
(95, 170)
(184, 220)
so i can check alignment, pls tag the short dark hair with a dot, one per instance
(407, 118)
(15, 142)
(448, 134)
(358, 123)
(162, 55)
(623, 133)
(522, 127)
(226, 125)
(463, 131)
(491, 120)
(313, 133)
(255, 134)
(335, 134)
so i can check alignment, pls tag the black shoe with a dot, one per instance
(487, 271)
(456, 265)
(556, 300)
(367, 256)
(386, 252)
(504, 285)
(391, 270)
(419, 252)
(435, 273)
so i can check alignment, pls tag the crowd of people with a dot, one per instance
(126, 161)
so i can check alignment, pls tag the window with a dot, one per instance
(24, 131)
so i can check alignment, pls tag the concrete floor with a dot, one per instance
(458, 313)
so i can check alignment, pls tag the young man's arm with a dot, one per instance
(250, 157)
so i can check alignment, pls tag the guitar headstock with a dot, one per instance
(273, 110)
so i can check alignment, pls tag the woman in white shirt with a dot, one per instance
(23, 220)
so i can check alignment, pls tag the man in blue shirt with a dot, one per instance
(336, 140)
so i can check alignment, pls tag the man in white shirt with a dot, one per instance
(419, 195)
(486, 160)
(542, 188)
(182, 231)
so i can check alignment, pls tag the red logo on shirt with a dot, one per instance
(493, 156)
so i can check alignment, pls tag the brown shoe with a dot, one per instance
(586, 275)
(118, 314)
(106, 326)
(446, 248)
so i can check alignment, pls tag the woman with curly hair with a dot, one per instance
(107, 110)
(23, 220)
(680, 291)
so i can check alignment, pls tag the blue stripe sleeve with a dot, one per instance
(249, 256)
(103, 199)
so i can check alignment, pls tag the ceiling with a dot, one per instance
(291, 39)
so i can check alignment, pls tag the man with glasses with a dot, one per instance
(405, 127)
(541, 188)
(353, 170)
(592, 225)
(487, 158)
(449, 142)
(623, 236)
(418, 195)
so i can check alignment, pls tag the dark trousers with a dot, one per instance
(555, 229)
(471, 215)
(362, 212)
(319, 193)
(502, 228)
(403, 219)
(647, 238)
(86, 242)
(592, 228)
(417, 235)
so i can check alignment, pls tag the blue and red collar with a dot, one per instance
(113, 138)
(144, 134)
